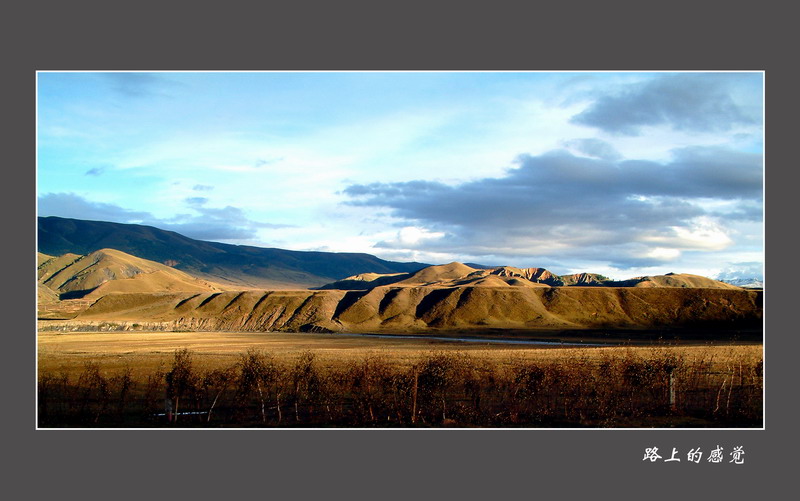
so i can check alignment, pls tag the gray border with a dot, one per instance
(393, 464)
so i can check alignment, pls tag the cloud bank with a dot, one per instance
(557, 205)
(686, 101)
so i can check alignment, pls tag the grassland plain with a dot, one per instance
(243, 379)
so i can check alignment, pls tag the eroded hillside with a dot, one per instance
(409, 309)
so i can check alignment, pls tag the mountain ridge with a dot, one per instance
(234, 265)
(457, 274)
(426, 309)
(248, 267)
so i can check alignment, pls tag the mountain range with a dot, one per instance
(82, 255)
(234, 265)
(111, 288)
(458, 274)
(93, 272)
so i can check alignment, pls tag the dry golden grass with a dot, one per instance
(147, 350)
(276, 379)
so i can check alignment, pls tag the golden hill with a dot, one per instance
(46, 296)
(444, 275)
(110, 285)
(682, 280)
(457, 274)
(108, 270)
(436, 275)
(42, 258)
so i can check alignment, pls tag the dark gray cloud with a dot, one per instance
(593, 147)
(74, 206)
(95, 171)
(213, 222)
(196, 201)
(686, 101)
(137, 84)
(558, 203)
(207, 223)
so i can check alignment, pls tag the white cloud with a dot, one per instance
(412, 235)
(700, 233)
(663, 253)
(703, 233)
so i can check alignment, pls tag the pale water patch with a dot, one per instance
(536, 342)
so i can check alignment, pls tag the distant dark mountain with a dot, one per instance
(232, 264)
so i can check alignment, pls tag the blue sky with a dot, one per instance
(624, 174)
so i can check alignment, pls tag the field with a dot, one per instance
(230, 379)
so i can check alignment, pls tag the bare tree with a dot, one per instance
(257, 372)
(217, 381)
(180, 379)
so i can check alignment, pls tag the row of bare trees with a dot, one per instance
(441, 389)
